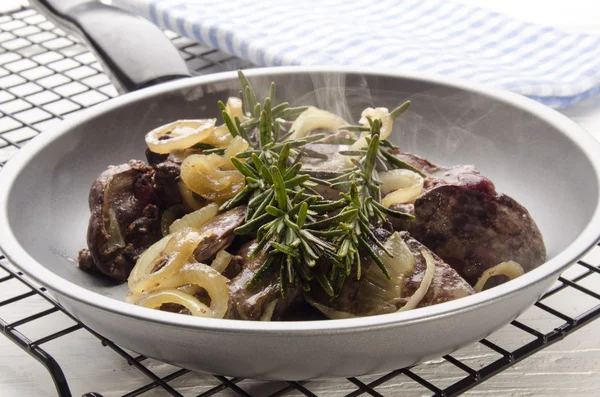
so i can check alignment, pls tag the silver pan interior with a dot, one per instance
(531, 152)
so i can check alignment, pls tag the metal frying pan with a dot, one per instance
(531, 152)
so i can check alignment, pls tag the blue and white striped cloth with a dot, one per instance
(543, 63)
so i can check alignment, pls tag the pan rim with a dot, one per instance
(19, 256)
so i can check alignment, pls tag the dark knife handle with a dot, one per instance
(134, 52)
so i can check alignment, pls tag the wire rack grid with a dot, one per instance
(47, 75)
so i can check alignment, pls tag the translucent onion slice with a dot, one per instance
(115, 238)
(189, 200)
(196, 218)
(237, 145)
(220, 137)
(361, 143)
(233, 107)
(383, 114)
(387, 125)
(399, 179)
(402, 196)
(402, 261)
(202, 172)
(202, 175)
(147, 261)
(327, 311)
(420, 293)
(179, 155)
(208, 164)
(379, 295)
(110, 221)
(156, 299)
(509, 269)
(405, 185)
(177, 252)
(190, 289)
(221, 261)
(203, 276)
(312, 119)
(400, 186)
(179, 135)
(170, 215)
(269, 309)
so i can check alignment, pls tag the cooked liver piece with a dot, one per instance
(462, 218)
(124, 220)
(250, 304)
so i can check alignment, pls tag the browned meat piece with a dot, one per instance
(462, 218)
(155, 158)
(167, 170)
(165, 183)
(325, 168)
(166, 179)
(85, 261)
(330, 160)
(219, 232)
(252, 304)
(446, 285)
(124, 219)
(235, 267)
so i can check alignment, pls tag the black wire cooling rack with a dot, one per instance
(47, 75)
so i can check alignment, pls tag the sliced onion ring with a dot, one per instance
(196, 218)
(189, 200)
(268, 311)
(420, 293)
(383, 114)
(312, 119)
(402, 196)
(404, 186)
(234, 108)
(237, 145)
(190, 289)
(179, 135)
(156, 299)
(398, 179)
(147, 261)
(327, 311)
(509, 269)
(387, 125)
(177, 252)
(206, 277)
(170, 215)
(202, 175)
(221, 261)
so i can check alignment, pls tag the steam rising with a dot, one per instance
(436, 126)
(443, 124)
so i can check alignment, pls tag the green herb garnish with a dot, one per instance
(352, 234)
(296, 229)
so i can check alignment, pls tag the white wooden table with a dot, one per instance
(570, 367)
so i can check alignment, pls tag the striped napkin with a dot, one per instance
(543, 63)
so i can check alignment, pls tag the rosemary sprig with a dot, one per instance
(294, 226)
(256, 113)
(278, 196)
(278, 213)
(351, 228)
